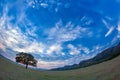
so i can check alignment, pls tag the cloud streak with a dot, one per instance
(68, 32)
(109, 31)
(64, 42)
(109, 27)
(73, 50)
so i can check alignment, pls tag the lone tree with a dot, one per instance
(26, 59)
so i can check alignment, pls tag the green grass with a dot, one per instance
(109, 70)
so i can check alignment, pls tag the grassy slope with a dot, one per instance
(109, 70)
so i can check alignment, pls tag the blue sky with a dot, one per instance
(58, 32)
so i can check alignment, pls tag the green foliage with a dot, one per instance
(26, 59)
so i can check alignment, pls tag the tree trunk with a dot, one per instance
(26, 66)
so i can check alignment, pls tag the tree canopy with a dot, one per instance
(26, 59)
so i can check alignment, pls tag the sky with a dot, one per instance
(58, 32)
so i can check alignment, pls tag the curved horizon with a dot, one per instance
(58, 32)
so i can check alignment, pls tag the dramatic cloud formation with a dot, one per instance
(58, 32)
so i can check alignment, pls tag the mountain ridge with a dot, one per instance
(107, 70)
(105, 55)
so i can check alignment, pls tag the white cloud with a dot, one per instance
(109, 31)
(96, 49)
(68, 32)
(105, 23)
(30, 2)
(20, 42)
(55, 48)
(87, 20)
(108, 17)
(31, 31)
(73, 49)
(60, 63)
(15, 39)
(31, 47)
(12, 36)
(2, 47)
(84, 49)
(117, 36)
(118, 28)
(108, 26)
(63, 34)
(49, 4)
(44, 5)
(49, 65)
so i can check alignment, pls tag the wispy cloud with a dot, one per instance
(80, 49)
(105, 23)
(49, 65)
(109, 27)
(68, 32)
(2, 47)
(13, 37)
(84, 49)
(63, 33)
(60, 63)
(44, 5)
(118, 27)
(117, 37)
(54, 49)
(61, 41)
(97, 49)
(18, 41)
(86, 20)
(73, 49)
(109, 31)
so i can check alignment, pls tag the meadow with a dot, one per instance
(109, 70)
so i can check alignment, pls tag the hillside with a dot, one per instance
(105, 55)
(109, 70)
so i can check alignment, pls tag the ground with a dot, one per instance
(109, 70)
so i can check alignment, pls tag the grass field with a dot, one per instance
(109, 70)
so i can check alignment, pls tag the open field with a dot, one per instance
(109, 70)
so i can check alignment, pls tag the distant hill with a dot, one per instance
(107, 54)
(108, 70)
